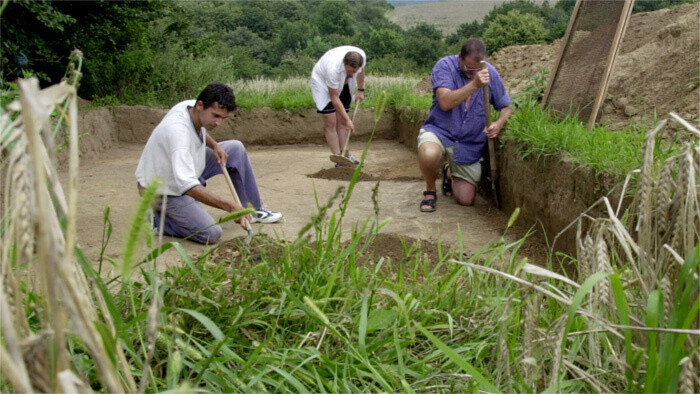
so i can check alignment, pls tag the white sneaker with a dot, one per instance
(265, 216)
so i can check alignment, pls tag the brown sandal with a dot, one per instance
(429, 203)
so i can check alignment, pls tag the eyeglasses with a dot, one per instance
(467, 69)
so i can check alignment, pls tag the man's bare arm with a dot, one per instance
(361, 85)
(205, 196)
(449, 99)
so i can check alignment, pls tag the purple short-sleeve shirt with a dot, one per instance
(463, 126)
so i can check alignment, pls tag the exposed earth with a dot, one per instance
(656, 70)
(291, 178)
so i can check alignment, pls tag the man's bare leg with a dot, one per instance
(341, 130)
(463, 191)
(429, 156)
(329, 121)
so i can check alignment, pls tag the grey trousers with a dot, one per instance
(186, 217)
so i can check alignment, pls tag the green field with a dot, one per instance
(445, 15)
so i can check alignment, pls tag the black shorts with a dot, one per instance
(345, 98)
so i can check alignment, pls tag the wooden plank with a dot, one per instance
(579, 80)
(619, 34)
(562, 50)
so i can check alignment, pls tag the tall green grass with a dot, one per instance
(294, 94)
(614, 152)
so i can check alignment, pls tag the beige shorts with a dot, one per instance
(469, 172)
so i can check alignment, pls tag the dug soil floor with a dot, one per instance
(292, 179)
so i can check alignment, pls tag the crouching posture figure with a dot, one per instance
(456, 126)
(183, 156)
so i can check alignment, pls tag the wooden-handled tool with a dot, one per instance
(246, 223)
(341, 159)
(492, 148)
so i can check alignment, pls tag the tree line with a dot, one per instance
(155, 51)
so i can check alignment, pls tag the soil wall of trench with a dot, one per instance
(550, 190)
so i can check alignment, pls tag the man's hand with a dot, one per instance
(205, 196)
(494, 130)
(360, 95)
(481, 78)
(220, 155)
(349, 125)
(240, 221)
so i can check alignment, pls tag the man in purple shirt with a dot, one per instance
(456, 127)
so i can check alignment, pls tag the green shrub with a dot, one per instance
(383, 42)
(465, 31)
(294, 65)
(334, 17)
(393, 65)
(514, 28)
(423, 45)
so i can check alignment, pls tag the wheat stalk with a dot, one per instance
(587, 265)
(602, 261)
(664, 186)
(558, 327)
(696, 378)
(581, 255)
(63, 282)
(687, 378)
(14, 373)
(678, 206)
(70, 383)
(503, 357)
(11, 359)
(530, 334)
(36, 358)
(20, 198)
(646, 183)
(48, 252)
(667, 291)
(688, 204)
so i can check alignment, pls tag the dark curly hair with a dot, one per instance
(220, 93)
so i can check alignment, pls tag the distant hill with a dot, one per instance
(445, 15)
(399, 3)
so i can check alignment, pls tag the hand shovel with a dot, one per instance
(341, 159)
(492, 149)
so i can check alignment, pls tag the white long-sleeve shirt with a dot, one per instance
(175, 153)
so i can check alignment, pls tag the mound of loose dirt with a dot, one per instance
(394, 249)
(400, 251)
(656, 70)
(245, 249)
(518, 64)
(342, 174)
